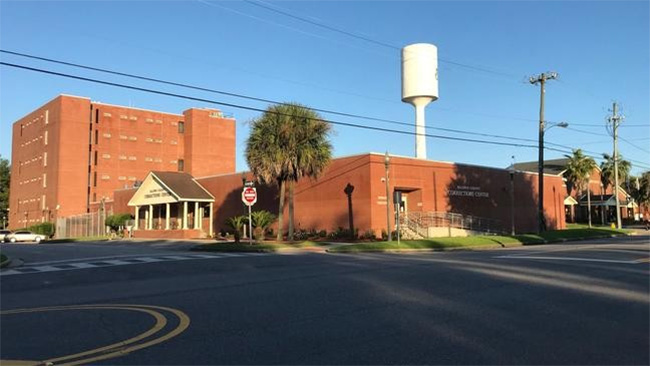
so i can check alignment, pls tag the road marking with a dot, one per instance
(115, 349)
(74, 265)
(568, 259)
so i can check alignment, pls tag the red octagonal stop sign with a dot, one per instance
(249, 196)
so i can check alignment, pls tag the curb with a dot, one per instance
(479, 247)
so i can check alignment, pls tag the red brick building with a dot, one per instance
(429, 188)
(72, 153)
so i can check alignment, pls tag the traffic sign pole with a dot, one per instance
(249, 197)
(250, 226)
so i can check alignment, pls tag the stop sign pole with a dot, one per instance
(249, 197)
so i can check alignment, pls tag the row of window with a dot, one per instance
(180, 124)
(35, 179)
(35, 139)
(32, 200)
(45, 118)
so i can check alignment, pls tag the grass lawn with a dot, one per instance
(479, 241)
(256, 247)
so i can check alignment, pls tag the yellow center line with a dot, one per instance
(115, 349)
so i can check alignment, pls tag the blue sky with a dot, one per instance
(600, 49)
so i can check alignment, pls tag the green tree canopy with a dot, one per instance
(578, 169)
(288, 142)
(5, 178)
(607, 170)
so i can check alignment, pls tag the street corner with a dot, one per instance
(83, 334)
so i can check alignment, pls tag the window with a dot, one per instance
(96, 115)
(47, 117)
(95, 197)
(45, 158)
(181, 165)
(43, 202)
(44, 180)
(21, 129)
(45, 138)
(96, 137)
(95, 179)
(95, 157)
(181, 127)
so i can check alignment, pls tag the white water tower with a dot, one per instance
(420, 86)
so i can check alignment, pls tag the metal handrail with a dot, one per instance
(420, 222)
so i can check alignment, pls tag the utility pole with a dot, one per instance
(615, 120)
(388, 197)
(541, 79)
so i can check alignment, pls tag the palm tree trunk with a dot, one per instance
(290, 235)
(279, 237)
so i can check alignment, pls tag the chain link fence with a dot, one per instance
(83, 225)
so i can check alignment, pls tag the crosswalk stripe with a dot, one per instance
(117, 262)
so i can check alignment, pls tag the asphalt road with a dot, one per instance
(585, 303)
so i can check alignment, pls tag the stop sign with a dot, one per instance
(249, 196)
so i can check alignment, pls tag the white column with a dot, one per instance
(185, 215)
(167, 216)
(196, 215)
(137, 218)
(150, 217)
(211, 225)
(201, 215)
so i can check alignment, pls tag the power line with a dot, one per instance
(243, 96)
(238, 106)
(633, 145)
(371, 40)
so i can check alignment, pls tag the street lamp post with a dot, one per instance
(512, 197)
(588, 200)
(388, 198)
(544, 126)
(602, 204)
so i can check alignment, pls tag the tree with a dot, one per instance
(237, 224)
(261, 220)
(641, 188)
(5, 178)
(607, 170)
(578, 169)
(288, 142)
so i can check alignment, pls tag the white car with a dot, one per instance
(25, 236)
(3, 234)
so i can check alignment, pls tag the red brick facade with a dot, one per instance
(71, 153)
(430, 186)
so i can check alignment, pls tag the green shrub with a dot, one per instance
(237, 224)
(45, 228)
(322, 233)
(261, 220)
(369, 235)
(341, 233)
(118, 220)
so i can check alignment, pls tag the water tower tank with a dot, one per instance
(420, 86)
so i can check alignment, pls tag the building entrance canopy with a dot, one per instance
(178, 196)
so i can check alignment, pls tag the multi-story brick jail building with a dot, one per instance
(71, 153)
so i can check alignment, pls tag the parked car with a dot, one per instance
(25, 236)
(3, 234)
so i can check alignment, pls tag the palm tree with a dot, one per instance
(578, 169)
(288, 142)
(607, 170)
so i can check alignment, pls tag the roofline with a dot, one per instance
(135, 108)
(48, 102)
